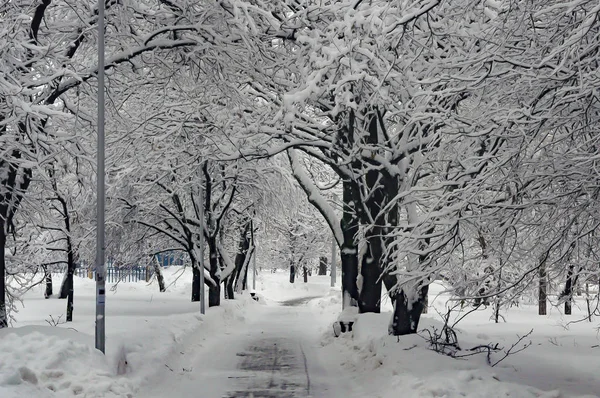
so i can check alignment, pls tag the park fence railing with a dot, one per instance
(119, 274)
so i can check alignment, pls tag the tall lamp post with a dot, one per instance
(100, 193)
(201, 243)
(254, 267)
(333, 253)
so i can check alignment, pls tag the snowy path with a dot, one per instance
(272, 368)
(274, 356)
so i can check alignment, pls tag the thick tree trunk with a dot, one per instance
(349, 264)
(369, 299)
(13, 187)
(64, 286)
(228, 285)
(214, 291)
(305, 273)
(195, 280)
(377, 184)
(3, 315)
(229, 290)
(543, 288)
(292, 273)
(407, 312)
(241, 282)
(214, 295)
(159, 275)
(48, 278)
(240, 260)
(348, 250)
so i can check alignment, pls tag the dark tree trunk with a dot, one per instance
(13, 188)
(323, 266)
(372, 263)
(214, 295)
(352, 208)
(391, 186)
(222, 266)
(305, 273)
(214, 291)
(240, 260)
(228, 295)
(483, 292)
(245, 281)
(404, 320)
(369, 299)
(213, 227)
(70, 273)
(543, 288)
(159, 276)
(229, 290)
(251, 253)
(48, 278)
(3, 316)
(568, 292)
(64, 286)
(195, 281)
(498, 296)
(349, 251)
(292, 273)
(67, 289)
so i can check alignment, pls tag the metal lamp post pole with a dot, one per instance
(333, 254)
(202, 303)
(100, 193)
(254, 267)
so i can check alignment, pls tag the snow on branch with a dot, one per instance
(116, 59)
(314, 197)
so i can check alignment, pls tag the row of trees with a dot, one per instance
(459, 138)
(462, 135)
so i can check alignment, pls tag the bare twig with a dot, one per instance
(510, 350)
(55, 322)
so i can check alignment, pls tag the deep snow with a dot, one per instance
(562, 360)
(158, 345)
(143, 327)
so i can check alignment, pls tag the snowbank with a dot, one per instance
(144, 328)
(406, 367)
(46, 361)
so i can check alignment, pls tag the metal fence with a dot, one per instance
(119, 274)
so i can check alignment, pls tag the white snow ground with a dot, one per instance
(159, 346)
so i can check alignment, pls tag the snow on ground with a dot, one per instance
(561, 362)
(143, 327)
(276, 288)
(159, 345)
